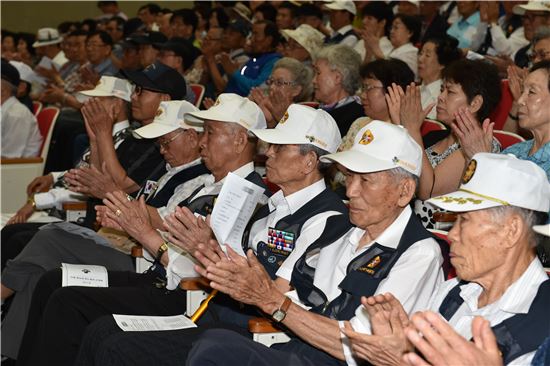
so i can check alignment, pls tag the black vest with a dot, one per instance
(364, 274)
(517, 335)
(272, 256)
(161, 198)
(339, 37)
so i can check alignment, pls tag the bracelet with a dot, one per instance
(515, 118)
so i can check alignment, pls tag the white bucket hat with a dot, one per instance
(169, 117)
(493, 180)
(342, 5)
(307, 36)
(25, 72)
(109, 86)
(304, 125)
(46, 37)
(231, 108)
(532, 6)
(380, 146)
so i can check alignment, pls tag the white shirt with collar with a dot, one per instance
(429, 94)
(412, 279)
(517, 299)
(183, 190)
(384, 44)
(55, 197)
(21, 137)
(350, 40)
(407, 53)
(281, 206)
(180, 263)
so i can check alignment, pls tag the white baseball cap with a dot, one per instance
(169, 117)
(532, 6)
(342, 5)
(109, 86)
(46, 37)
(25, 72)
(304, 125)
(307, 36)
(493, 180)
(380, 146)
(231, 108)
(542, 229)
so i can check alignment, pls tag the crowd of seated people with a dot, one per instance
(364, 125)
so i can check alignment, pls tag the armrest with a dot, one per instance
(444, 216)
(74, 206)
(8, 161)
(262, 325)
(194, 284)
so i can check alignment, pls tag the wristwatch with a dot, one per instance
(163, 248)
(280, 314)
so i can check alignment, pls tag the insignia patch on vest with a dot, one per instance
(279, 239)
(469, 173)
(370, 267)
(367, 138)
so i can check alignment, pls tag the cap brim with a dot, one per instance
(138, 78)
(460, 201)
(47, 43)
(154, 130)
(96, 93)
(198, 118)
(278, 137)
(542, 229)
(357, 161)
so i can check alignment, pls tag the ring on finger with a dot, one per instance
(118, 212)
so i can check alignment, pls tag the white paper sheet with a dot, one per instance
(234, 207)
(84, 275)
(139, 323)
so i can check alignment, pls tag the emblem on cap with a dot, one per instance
(159, 112)
(367, 138)
(469, 173)
(285, 117)
(216, 102)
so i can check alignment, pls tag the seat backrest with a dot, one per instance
(445, 236)
(430, 125)
(310, 104)
(36, 107)
(507, 138)
(198, 89)
(46, 121)
(500, 114)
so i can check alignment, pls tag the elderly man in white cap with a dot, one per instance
(303, 212)
(342, 13)
(499, 276)
(48, 45)
(388, 250)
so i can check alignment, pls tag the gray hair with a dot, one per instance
(321, 166)
(398, 174)
(540, 34)
(346, 61)
(529, 217)
(302, 75)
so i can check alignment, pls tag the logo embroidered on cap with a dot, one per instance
(159, 112)
(216, 102)
(313, 139)
(285, 117)
(367, 138)
(459, 200)
(398, 161)
(469, 173)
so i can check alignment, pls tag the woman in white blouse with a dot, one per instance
(434, 56)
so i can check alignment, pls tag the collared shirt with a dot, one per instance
(20, 134)
(407, 53)
(541, 157)
(105, 68)
(350, 40)
(180, 263)
(183, 190)
(429, 94)
(516, 299)
(500, 45)
(464, 30)
(383, 42)
(60, 59)
(239, 56)
(412, 279)
(281, 206)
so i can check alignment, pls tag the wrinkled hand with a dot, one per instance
(515, 80)
(99, 120)
(22, 215)
(370, 39)
(244, 279)
(89, 75)
(473, 137)
(411, 113)
(208, 254)
(257, 96)
(378, 305)
(441, 345)
(131, 215)
(393, 100)
(53, 94)
(488, 12)
(103, 220)
(186, 230)
(277, 103)
(91, 181)
(40, 184)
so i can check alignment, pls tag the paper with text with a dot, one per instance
(84, 275)
(139, 323)
(234, 207)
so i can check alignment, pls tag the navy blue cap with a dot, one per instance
(239, 25)
(159, 78)
(10, 73)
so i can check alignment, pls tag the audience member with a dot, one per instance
(25, 51)
(183, 23)
(148, 15)
(303, 43)
(47, 44)
(464, 29)
(286, 15)
(27, 78)
(180, 55)
(534, 15)
(433, 23)
(341, 14)
(110, 9)
(311, 15)
(377, 20)
(410, 8)
(265, 11)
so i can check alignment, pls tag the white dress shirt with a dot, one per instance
(407, 53)
(350, 40)
(21, 137)
(429, 94)
(516, 299)
(384, 44)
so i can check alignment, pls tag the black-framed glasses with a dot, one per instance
(138, 90)
(279, 82)
(164, 144)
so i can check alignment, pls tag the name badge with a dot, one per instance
(150, 186)
(280, 239)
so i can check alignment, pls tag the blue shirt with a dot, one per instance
(251, 74)
(464, 30)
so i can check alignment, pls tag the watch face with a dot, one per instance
(278, 315)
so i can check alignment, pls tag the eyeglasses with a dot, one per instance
(367, 88)
(541, 55)
(164, 144)
(279, 82)
(138, 90)
(95, 45)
